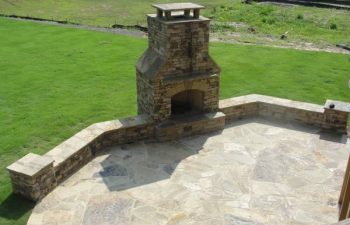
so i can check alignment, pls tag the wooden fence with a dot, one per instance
(344, 199)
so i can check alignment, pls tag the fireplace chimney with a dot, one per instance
(176, 76)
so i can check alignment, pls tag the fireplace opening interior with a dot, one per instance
(187, 102)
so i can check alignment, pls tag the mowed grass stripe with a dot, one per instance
(55, 81)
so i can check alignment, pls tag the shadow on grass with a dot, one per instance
(15, 206)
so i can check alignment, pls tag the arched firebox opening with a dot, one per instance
(187, 102)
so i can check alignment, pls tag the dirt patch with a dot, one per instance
(324, 4)
(274, 41)
(227, 37)
(134, 30)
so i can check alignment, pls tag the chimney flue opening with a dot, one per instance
(164, 11)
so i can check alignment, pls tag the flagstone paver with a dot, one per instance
(254, 172)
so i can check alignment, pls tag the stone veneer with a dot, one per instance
(175, 71)
(177, 60)
(33, 176)
(283, 109)
(197, 124)
(176, 67)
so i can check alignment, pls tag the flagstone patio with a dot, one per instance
(253, 172)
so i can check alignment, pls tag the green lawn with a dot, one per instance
(55, 81)
(91, 12)
(308, 24)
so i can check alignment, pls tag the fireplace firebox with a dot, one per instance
(187, 102)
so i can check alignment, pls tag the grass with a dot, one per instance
(56, 81)
(308, 24)
(91, 12)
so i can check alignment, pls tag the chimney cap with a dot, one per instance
(177, 6)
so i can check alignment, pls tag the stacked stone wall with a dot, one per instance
(176, 60)
(73, 163)
(201, 124)
(156, 36)
(65, 159)
(145, 95)
(34, 176)
(165, 90)
(335, 119)
(187, 52)
(154, 98)
(291, 113)
(288, 110)
(35, 187)
(184, 45)
(239, 111)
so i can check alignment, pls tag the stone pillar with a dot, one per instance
(336, 115)
(32, 176)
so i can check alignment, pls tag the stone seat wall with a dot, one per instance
(34, 176)
(284, 109)
(65, 159)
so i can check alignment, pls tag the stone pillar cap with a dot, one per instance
(337, 105)
(30, 164)
(177, 6)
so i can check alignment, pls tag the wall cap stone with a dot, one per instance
(177, 6)
(83, 138)
(30, 165)
(136, 121)
(215, 115)
(190, 119)
(256, 98)
(66, 149)
(338, 105)
(201, 18)
(186, 77)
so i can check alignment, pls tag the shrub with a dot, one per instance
(333, 26)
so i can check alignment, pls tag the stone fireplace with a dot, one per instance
(176, 76)
(177, 91)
